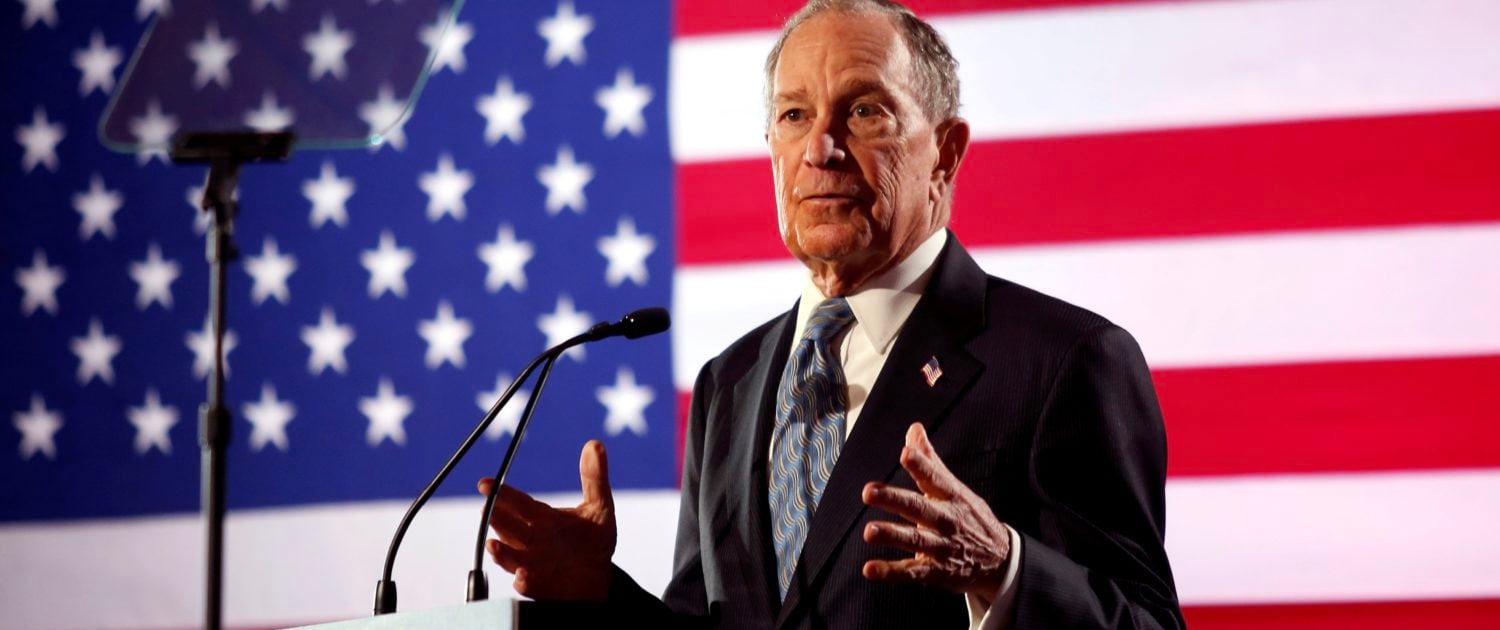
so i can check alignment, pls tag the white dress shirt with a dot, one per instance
(880, 308)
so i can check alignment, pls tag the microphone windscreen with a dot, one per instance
(646, 321)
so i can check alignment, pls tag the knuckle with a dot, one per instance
(954, 522)
(931, 541)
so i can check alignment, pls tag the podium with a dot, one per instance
(494, 614)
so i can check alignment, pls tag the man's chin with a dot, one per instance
(830, 245)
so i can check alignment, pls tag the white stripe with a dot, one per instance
(1256, 539)
(1330, 538)
(1278, 298)
(1152, 65)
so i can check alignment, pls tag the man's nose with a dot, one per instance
(823, 150)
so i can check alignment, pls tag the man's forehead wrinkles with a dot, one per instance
(796, 94)
(845, 76)
(861, 86)
(842, 89)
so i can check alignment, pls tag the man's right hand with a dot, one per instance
(558, 554)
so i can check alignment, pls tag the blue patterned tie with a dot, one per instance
(811, 406)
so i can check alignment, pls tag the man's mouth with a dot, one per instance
(833, 197)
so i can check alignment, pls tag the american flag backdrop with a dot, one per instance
(1293, 204)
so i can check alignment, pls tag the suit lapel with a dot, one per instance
(755, 397)
(950, 312)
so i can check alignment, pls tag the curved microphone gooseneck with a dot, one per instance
(647, 321)
(479, 588)
(641, 323)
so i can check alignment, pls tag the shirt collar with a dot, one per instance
(882, 305)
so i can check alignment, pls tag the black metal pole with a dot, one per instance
(223, 152)
(215, 420)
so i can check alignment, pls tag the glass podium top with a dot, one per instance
(336, 73)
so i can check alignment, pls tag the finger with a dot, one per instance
(509, 558)
(485, 484)
(524, 506)
(908, 537)
(593, 475)
(912, 506)
(926, 468)
(509, 525)
(906, 571)
(522, 583)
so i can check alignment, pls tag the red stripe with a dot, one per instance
(1375, 415)
(1481, 614)
(700, 17)
(1398, 170)
(1326, 417)
(1449, 615)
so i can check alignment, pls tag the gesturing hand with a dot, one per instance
(959, 544)
(558, 554)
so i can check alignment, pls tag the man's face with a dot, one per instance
(856, 162)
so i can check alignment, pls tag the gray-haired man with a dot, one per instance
(915, 444)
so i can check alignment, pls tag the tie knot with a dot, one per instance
(828, 319)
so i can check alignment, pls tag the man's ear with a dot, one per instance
(952, 143)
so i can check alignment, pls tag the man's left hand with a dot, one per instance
(959, 544)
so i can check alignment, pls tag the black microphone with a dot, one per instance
(640, 323)
(634, 325)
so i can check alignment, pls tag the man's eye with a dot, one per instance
(792, 115)
(864, 111)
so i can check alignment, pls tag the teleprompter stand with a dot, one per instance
(224, 153)
(325, 116)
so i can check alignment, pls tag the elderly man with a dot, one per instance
(915, 444)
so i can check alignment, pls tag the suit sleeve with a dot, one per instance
(686, 593)
(1098, 466)
(685, 603)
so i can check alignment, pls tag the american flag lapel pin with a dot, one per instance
(931, 371)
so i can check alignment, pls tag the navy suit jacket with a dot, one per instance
(1044, 409)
